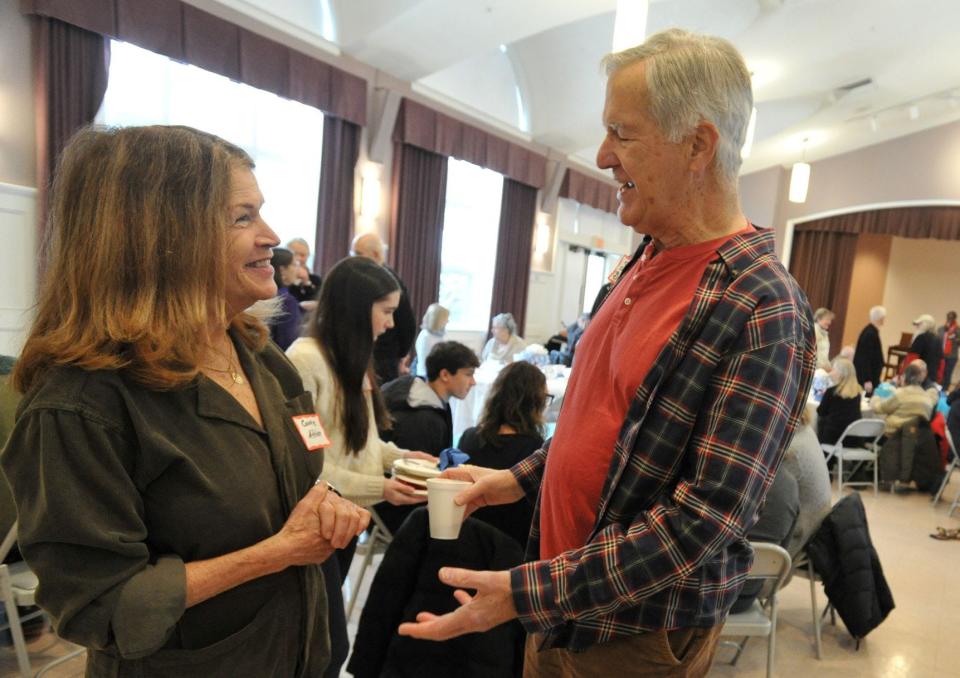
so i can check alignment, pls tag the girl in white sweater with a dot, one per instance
(356, 305)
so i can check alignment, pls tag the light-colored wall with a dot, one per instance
(18, 261)
(867, 284)
(921, 166)
(17, 145)
(923, 276)
(758, 196)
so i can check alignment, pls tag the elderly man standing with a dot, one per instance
(687, 386)
(392, 348)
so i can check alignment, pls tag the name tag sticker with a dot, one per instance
(311, 431)
(618, 270)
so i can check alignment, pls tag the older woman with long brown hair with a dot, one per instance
(165, 453)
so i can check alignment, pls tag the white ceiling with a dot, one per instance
(803, 52)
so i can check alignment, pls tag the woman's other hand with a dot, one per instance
(401, 494)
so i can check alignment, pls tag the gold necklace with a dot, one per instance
(234, 372)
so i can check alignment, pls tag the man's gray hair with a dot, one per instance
(691, 78)
(914, 373)
(298, 241)
(877, 313)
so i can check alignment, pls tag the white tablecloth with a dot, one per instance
(466, 412)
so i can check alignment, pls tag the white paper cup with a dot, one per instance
(445, 515)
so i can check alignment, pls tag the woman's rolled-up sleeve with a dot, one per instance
(82, 531)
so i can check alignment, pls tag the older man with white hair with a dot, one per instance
(868, 355)
(686, 389)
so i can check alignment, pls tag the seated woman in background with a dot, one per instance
(433, 330)
(356, 305)
(910, 401)
(505, 343)
(285, 326)
(510, 430)
(840, 406)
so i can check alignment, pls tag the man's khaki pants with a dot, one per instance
(683, 653)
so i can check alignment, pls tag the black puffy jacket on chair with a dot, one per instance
(406, 583)
(845, 559)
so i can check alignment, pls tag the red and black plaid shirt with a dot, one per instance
(703, 437)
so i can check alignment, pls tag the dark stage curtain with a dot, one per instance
(940, 222)
(822, 263)
(70, 77)
(417, 196)
(341, 148)
(518, 208)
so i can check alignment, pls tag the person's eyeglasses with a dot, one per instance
(549, 399)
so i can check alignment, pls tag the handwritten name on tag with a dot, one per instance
(311, 431)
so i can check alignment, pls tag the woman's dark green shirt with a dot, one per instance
(117, 486)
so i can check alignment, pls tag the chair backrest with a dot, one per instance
(771, 565)
(770, 561)
(906, 338)
(953, 448)
(8, 541)
(863, 428)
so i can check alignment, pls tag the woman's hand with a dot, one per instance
(400, 494)
(341, 520)
(417, 454)
(320, 523)
(490, 487)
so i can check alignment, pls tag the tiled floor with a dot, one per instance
(920, 638)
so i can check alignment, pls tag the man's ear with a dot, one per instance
(445, 375)
(704, 142)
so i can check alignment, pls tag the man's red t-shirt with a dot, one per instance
(614, 355)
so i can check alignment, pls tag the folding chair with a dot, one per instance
(868, 453)
(17, 587)
(803, 567)
(954, 464)
(376, 542)
(771, 564)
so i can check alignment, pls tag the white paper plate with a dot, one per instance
(410, 480)
(418, 468)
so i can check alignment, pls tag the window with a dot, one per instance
(593, 280)
(471, 222)
(284, 137)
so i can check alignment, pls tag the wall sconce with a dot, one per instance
(543, 237)
(370, 192)
(800, 178)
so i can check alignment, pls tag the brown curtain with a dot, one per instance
(518, 208)
(423, 127)
(185, 33)
(341, 148)
(587, 190)
(70, 77)
(940, 222)
(417, 195)
(822, 263)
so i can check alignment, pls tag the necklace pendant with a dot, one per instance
(237, 378)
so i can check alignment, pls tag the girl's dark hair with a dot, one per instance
(517, 398)
(281, 257)
(341, 327)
